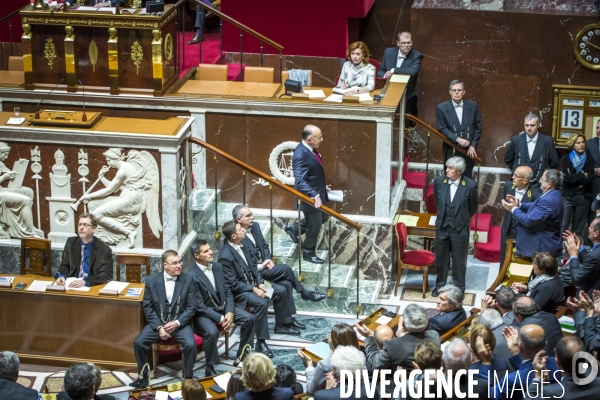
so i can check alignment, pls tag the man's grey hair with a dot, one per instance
(454, 294)
(554, 177)
(457, 355)
(490, 318)
(9, 365)
(505, 297)
(347, 358)
(531, 116)
(525, 307)
(456, 82)
(528, 174)
(79, 381)
(237, 211)
(457, 163)
(414, 318)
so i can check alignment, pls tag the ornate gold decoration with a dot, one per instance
(113, 60)
(137, 55)
(70, 61)
(157, 61)
(93, 53)
(50, 52)
(330, 292)
(136, 4)
(39, 5)
(27, 59)
(301, 277)
(358, 309)
(168, 48)
(217, 235)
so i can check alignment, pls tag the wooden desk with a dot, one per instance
(12, 78)
(422, 229)
(207, 382)
(207, 87)
(62, 328)
(229, 88)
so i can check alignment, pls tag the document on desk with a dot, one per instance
(320, 349)
(399, 78)
(409, 220)
(334, 98)
(315, 94)
(336, 195)
(432, 220)
(79, 289)
(383, 320)
(222, 380)
(363, 97)
(269, 289)
(339, 91)
(7, 279)
(38, 286)
(115, 285)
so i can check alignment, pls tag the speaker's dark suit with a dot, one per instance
(544, 155)
(100, 265)
(538, 224)
(452, 228)
(452, 128)
(509, 224)
(443, 322)
(410, 66)
(281, 274)
(213, 303)
(586, 274)
(15, 391)
(309, 179)
(158, 312)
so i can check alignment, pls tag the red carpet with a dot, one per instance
(210, 54)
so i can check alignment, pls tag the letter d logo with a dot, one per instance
(580, 367)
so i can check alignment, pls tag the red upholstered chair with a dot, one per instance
(414, 180)
(169, 350)
(379, 82)
(430, 201)
(416, 260)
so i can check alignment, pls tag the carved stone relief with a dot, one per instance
(62, 216)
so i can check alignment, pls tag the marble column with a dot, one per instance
(171, 210)
(383, 170)
(199, 132)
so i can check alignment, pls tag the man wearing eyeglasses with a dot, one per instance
(404, 60)
(85, 257)
(460, 121)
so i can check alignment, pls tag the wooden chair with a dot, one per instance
(461, 329)
(133, 266)
(416, 260)
(40, 256)
(170, 348)
(379, 82)
(285, 75)
(212, 72)
(15, 63)
(259, 74)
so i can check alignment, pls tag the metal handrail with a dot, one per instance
(12, 14)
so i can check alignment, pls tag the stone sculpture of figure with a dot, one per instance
(16, 215)
(138, 180)
(59, 177)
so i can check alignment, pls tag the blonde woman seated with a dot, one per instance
(258, 376)
(357, 76)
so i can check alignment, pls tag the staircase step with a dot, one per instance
(313, 272)
(490, 251)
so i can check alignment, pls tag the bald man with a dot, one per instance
(527, 312)
(381, 334)
(520, 188)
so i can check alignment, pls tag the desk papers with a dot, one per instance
(383, 320)
(269, 289)
(79, 289)
(7, 279)
(334, 98)
(15, 121)
(522, 270)
(399, 78)
(134, 292)
(222, 380)
(358, 335)
(320, 349)
(432, 220)
(315, 94)
(409, 220)
(161, 395)
(38, 286)
(336, 195)
(115, 285)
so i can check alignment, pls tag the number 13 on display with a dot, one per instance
(572, 118)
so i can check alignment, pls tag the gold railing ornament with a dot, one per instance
(358, 310)
(217, 235)
(50, 52)
(330, 293)
(301, 277)
(136, 4)
(137, 55)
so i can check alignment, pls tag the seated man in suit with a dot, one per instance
(281, 274)
(584, 265)
(169, 305)
(492, 319)
(248, 289)
(527, 312)
(81, 383)
(405, 60)
(566, 348)
(451, 310)
(85, 257)
(457, 357)
(344, 358)
(9, 373)
(539, 222)
(216, 309)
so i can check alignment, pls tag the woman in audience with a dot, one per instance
(546, 289)
(192, 390)
(500, 365)
(357, 76)
(285, 376)
(340, 335)
(578, 173)
(428, 358)
(258, 376)
(235, 384)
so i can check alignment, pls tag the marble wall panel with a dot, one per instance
(380, 28)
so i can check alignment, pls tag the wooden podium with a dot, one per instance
(131, 53)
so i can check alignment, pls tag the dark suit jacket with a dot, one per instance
(261, 243)
(538, 225)
(309, 177)
(335, 393)
(550, 325)
(567, 389)
(275, 393)
(549, 295)
(15, 391)
(399, 351)
(65, 396)
(466, 195)
(211, 304)
(592, 148)
(445, 321)
(410, 66)
(590, 332)
(183, 305)
(531, 194)
(544, 156)
(100, 265)
(577, 183)
(586, 274)
(448, 124)
(234, 267)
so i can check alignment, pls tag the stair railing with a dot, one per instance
(9, 18)
(290, 191)
(243, 29)
(478, 160)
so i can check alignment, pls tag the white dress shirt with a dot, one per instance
(531, 144)
(169, 286)
(453, 188)
(400, 60)
(520, 193)
(238, 248)
(209, 274)
(459, 110)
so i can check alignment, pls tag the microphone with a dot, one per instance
(37, 112)
(83, 116)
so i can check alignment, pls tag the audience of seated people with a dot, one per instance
(9, 373)
(492, 319)
(344, 358)
(527, 313)
(452, 313)
(82, 382)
